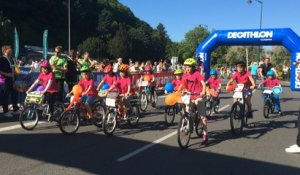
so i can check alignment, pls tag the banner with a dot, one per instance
(16, 44)
(45, 44)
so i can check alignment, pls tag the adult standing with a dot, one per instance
(296, 147)
(72, 73)
(254, 70)
(7, 80)
(59, 66)
(265, 67)
(117, 64)
(86, 61)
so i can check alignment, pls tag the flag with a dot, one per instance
(45, 44)
(16, 44)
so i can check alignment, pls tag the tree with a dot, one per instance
(120, 45)
(280, 56)
(94, 46)
(193, 38)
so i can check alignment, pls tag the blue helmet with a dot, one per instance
(270, 73)
(213, 72)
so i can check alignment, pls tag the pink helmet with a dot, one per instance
(45, 63)
(148, 68)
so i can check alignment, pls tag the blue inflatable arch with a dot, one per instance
(285, 37)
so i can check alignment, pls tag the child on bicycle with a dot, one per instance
(149, 76)
(214, 83)
(178, 78)
(242, 76)
(270, 82)
(123, 85)
(194, 83)
(110, 78)
(89, 90)
(47, 79)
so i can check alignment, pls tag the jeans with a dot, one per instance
(276, 101)
(61, 89)
(7, 90)
(51, 97)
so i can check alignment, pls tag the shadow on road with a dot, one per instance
(97, 154)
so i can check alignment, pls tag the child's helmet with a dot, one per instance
(45, 63)
(190, 62)
(124, 68)
(178, 72)
(270, 73)
(213, 72)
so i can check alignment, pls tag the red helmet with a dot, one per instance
(108, 69)
(45, 63)
(148, 68)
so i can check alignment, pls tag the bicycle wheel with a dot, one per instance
(29, 118)
(267, 108)
(134, 117)
(110, 122)
(69, 122)
(198, 127)
(184, 131)
(237, 118)
(143, 101)
(59, 108)
(98, 114)
(154, 99)
(208, 108)
(170, 113)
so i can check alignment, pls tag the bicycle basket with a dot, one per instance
(186, 99)
(102, 93)
(267, 91)
(34, 98)
(111, 99)
(238, 94)
(143, 83)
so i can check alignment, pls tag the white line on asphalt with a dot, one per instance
(128, 156)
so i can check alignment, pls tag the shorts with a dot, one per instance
(88, 100)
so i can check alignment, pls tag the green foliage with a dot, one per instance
(105, 28)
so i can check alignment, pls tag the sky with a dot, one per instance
(181, 16)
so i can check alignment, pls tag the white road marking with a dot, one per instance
(129, 155)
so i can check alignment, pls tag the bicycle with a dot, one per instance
(170, 113)
(238, 118)
(269, 104)
(145, 96)
(211, 104)
(30, 117)
(114, 116)
(188, 122)
(69, 121)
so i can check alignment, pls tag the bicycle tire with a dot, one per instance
(169, 116)
(32, 117)
(110, 122)
(98, 114)
(69, 119)
(184, 131)
(143, 101)
(267, 108)
(134, 117)
(237, 115)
